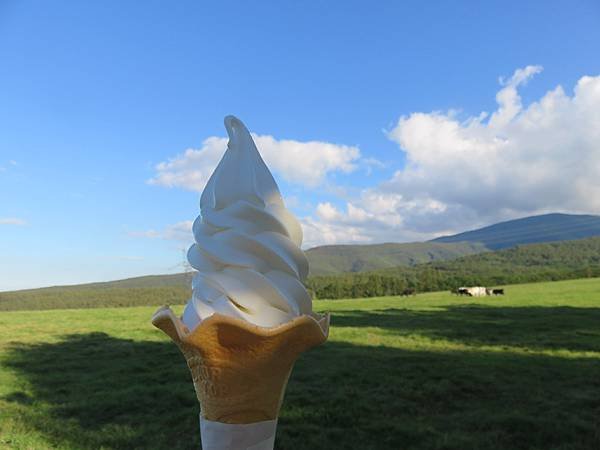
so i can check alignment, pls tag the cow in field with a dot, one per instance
(473, 291)
(497, 291)
(461, 291)
(477, 291)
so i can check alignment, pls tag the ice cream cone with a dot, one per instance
(240, 370)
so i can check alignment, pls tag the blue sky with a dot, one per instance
(96, 95)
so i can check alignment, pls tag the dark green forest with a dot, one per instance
(521, 264)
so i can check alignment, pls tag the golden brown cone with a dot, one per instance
(240, 370)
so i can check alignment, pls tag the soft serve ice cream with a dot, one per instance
(247, 244)
(250, 316)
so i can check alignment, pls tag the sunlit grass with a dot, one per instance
(433, 371)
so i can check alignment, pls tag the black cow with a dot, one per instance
(462, 291)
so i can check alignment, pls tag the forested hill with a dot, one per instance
(338, 259)
(524, 263)
(529, 230)
(334, 259)
(383, 269)
(553, 259)
(139, 291)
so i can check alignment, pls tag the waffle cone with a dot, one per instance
(240, 370)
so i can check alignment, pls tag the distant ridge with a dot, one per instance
(521, 264)
(143, 282)
(340, 259)
(334, 259)
(529, 230)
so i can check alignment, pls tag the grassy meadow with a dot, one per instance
(434, 371)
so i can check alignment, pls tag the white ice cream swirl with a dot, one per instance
(247, 251)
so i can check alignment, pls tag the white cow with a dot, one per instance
(474, 291)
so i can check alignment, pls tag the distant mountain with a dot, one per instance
(530, 230)
(520, 264)
(337, 259)
(333, 259)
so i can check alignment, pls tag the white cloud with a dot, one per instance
(523, 160)
(12, 221)
(461, 174)
(372, 217)
(304, 163)
(318, 232)
(371, 163)
(327, 212)
(508, 99)
(180, 231)
(192, 169)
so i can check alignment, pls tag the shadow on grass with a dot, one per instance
(345, 396)
(95, 391)
(539, 328)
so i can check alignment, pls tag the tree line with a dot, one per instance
(522, 264)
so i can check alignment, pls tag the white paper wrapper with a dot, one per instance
(247, 436)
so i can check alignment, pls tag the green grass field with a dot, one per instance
(433, 371)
